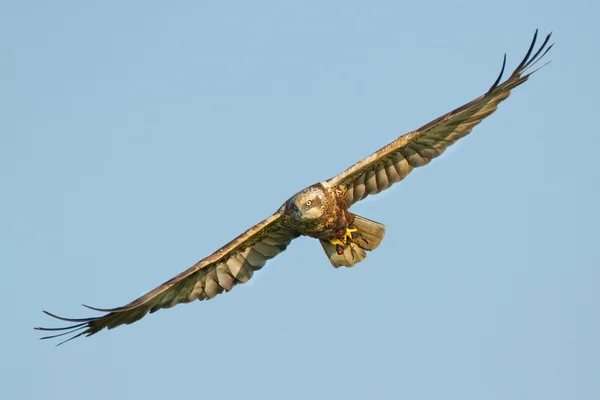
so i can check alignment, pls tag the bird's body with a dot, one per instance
(320, 211)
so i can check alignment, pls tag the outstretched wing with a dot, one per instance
(232, 264)
(395, 161)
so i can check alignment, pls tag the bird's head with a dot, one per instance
(309, 204)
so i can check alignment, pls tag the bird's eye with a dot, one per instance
(309, 202)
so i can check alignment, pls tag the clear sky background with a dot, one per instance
(138, 137)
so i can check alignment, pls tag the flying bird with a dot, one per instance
(320, 211)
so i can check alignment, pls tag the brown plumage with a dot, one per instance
(319, 211)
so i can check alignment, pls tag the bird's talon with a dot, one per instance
(342, 244)
(349, 235)
(338, 242)
(343, 241)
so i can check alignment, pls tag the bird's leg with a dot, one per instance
(342, 244)
(350, 231)
(344, 239)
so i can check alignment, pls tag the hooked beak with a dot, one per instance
(294, 209)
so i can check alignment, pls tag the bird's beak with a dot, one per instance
(294, 209)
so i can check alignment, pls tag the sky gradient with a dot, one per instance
(138, 137)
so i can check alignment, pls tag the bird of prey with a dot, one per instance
(319, 211)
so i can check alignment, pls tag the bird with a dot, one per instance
(320, 211)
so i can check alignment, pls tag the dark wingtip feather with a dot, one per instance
(499, 75)
(104, 310)
(527, 62)
(71, 338)
(81, 324)
(75, 329)
(535, 60)
(536, 57)
(69, 319)
(529, 51)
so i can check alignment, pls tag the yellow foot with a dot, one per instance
(349, 232)
(347, 236)
(337, 242)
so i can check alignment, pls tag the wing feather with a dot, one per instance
(232, 264)
(395, 161)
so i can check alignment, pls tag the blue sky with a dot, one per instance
(138, 137)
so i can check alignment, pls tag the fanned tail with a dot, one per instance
(368, 237)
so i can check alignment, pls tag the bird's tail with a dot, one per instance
(368, 237)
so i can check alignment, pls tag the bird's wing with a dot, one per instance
(232, 264)
(395, 161)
